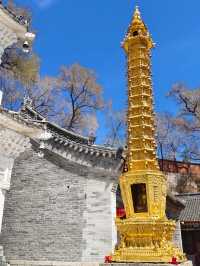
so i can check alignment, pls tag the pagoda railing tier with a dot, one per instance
(141, 127)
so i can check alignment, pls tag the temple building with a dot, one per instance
(59, 190)
(62, 202)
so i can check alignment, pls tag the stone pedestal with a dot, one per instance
(57, 263)
(187, 263)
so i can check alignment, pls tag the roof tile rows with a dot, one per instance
(18, 18)
(191, 212)
(64, 137)
(17, 117)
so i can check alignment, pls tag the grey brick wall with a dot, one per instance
(43, 215)
(57, 210)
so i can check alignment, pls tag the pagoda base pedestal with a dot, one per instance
(145, 256)
(147, 241)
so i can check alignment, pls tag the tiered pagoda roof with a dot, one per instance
(141, 128)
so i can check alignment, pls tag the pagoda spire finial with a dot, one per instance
(137, 28)
(137, 14)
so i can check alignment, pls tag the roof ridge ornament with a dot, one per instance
(27, 101)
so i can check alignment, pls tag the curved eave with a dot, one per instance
(67, 139)
(93, 150)
(12, 121)
(31, 114)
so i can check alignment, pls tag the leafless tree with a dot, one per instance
(188, 118)
(116, 127)
(168, 138)
(80, 96)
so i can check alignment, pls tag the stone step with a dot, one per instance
(58, 263)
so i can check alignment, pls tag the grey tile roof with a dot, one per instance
(58, 132)
(191, 212)
(66, 138)
(16, 117)
(18, 18)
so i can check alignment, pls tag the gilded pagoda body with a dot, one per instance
(146, 234)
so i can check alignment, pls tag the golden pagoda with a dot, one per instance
(146, 233)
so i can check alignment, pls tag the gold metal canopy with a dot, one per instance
(146, 234)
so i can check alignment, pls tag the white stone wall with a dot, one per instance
(113, 214)
(99, 234)
(177, 239)
(2, 199)
(6, 165)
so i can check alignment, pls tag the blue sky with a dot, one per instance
(90, 31)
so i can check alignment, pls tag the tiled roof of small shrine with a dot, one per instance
(18, 18)
(191, 212)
